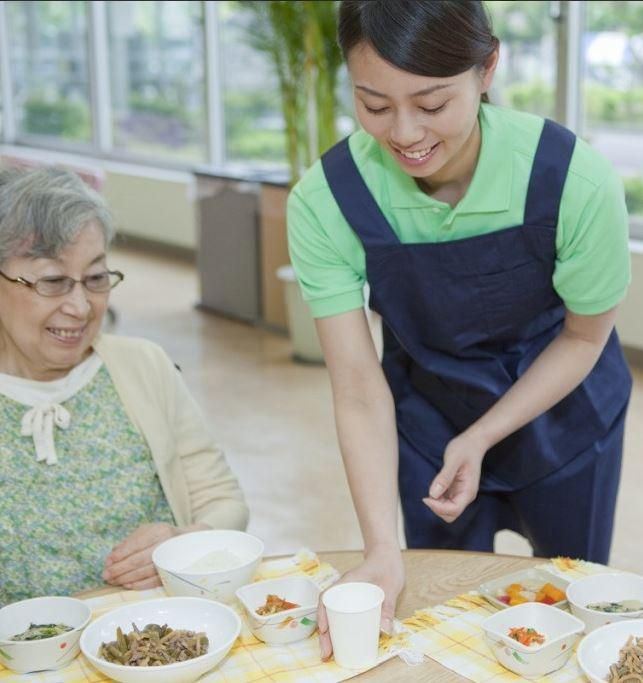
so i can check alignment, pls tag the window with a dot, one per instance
(613, 93)
(140, 91)
(1, 112)
(156, 58)
(525, 78)
(49, 71)
(254, 126)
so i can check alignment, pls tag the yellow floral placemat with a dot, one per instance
(249, 660)
(452, 634)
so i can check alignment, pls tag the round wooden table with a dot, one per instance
(433, 576)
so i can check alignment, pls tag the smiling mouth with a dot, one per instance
(66, 334)
(417, 155)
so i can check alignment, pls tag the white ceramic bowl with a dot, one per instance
(49, 653)
(601, 647)
(220, 623)
(561, 630)
(535, 576)
(612, 587)
(287, 626)
(208, 564)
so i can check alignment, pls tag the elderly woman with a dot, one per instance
(103, 452)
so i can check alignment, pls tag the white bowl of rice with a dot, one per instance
(606, 655)
(208, 564)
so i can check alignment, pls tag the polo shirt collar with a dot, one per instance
(490, 187)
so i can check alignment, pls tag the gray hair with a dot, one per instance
(43, 210)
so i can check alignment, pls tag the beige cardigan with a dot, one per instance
(194, 474)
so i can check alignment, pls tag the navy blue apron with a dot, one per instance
(462, 321)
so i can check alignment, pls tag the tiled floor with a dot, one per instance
(274, 417)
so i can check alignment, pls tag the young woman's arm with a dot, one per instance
(554, 374)
(365, 419)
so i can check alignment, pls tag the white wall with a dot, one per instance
(159, 207)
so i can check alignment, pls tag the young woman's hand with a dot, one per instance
(130, 562)
(456, 484)
(382, 566)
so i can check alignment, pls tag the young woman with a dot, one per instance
(495, 247)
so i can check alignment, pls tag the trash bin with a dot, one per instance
(303, 335)
(228, 248)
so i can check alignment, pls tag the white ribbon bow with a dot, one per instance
(39, 422)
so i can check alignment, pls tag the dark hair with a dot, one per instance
(438, 38)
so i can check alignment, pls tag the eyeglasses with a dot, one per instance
(98, 283)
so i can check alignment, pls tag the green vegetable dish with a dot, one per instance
(622, 607)
(154, 646)
(42, 631)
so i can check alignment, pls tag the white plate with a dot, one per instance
(601, 647)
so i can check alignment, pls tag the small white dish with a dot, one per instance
(536, 577)
(208, 564)
(287, 626)
(600, 649)
(48, 653)
(220, 623)
(612, 587)
(561, 630)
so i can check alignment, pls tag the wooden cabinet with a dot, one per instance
(242, 242)
(273, 254)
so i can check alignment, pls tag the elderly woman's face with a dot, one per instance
(43, 338)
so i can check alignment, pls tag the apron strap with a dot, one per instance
(354, 199)
(548, 175)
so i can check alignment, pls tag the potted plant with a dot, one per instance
(298, 38)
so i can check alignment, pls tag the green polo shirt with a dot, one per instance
(592, 269)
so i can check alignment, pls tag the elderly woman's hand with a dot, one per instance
(130, 562)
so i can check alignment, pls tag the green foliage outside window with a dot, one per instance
(244, 139)
(536, 97)
(161, 106)
(604, 104)
(57, 118)
(634, 195)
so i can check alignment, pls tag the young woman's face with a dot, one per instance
(424, 122)
(41, 337)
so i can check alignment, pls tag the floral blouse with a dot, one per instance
(59, 521)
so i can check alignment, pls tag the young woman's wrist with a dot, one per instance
(482, 435)
(382, 546)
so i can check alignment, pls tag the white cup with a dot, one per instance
(354, 611)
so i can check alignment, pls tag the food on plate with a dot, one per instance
(629, 668)
(517, 593)
(620, 607)
(215, 561)
(273, 605)
(526, 635)
(41, 631)
(154, 646)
